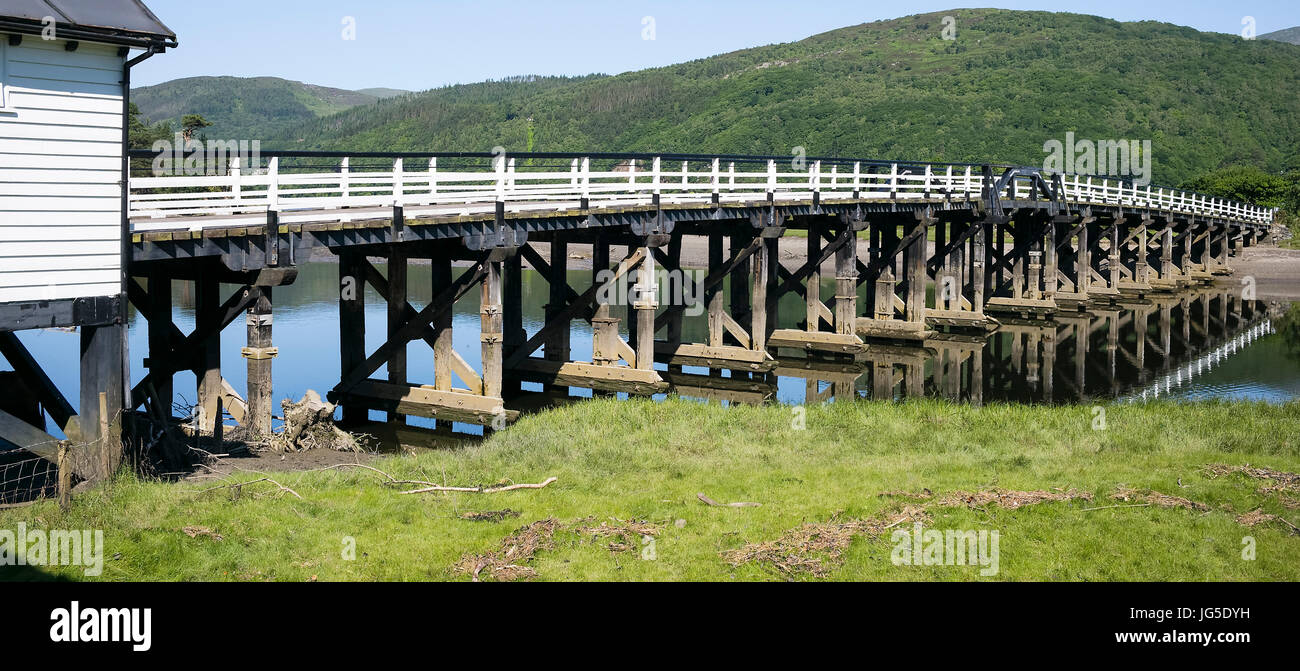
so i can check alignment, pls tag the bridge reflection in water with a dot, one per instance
(1137, 350)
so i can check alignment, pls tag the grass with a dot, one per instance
(641, 460)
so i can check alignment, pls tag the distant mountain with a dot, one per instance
(1289, 35)
(383, 93)
(1007, 83)
(248, 108)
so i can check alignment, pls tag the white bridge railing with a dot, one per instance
(465, 184)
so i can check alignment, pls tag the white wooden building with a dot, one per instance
(64, 88)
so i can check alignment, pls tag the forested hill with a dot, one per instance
(1009, 82)
(247, 108)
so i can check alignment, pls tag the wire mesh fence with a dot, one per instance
(50, 469)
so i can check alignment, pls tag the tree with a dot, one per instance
(191, 123)
(141, 134)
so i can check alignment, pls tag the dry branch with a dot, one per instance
(740, 504)
(477, 490)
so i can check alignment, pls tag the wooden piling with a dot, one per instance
(557, 346)
(159, 288)
(103, 358)
(352, 322)
(714, 295)
(813, 285)
(443, 350)
(846, 284)
(644, 303)
(604, 327)
(207, 372)
(740, 281)
(396, 309)
(259, 354)
(491, 325)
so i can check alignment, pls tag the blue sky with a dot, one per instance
(422, 44)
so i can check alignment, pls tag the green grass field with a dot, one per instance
(641, 461)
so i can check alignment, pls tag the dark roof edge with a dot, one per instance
(90, 34)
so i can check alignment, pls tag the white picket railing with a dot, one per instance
(460, 187)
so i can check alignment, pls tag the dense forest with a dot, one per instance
(248, 108)
(1009, 82)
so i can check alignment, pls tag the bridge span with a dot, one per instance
(945, 248)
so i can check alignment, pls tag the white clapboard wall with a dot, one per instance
(60, 170)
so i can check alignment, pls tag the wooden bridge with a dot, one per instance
(1008, 243)
(924, 258)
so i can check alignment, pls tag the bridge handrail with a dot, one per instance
(468, 181)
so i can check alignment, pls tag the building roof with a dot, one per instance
(124, 22)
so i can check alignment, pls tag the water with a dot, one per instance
(1091, 357)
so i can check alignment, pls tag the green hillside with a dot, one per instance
(246, 108)
(1009, 82)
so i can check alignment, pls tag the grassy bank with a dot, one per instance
(645, 462)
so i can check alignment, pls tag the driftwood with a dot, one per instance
(741, 504)
(477, 490)
(309, 424)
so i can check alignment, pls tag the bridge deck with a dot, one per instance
(526, 192)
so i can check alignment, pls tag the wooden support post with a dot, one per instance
(714, 295)
(1051, 265)
(352, 322)
(1114, 256)
(103, 359)
(943, 285)
(644, 303)
(1000, 244)
(758, 297)
(491, 325)
(397, 273)
(914, 258)
(443, 350)
(875, 242)
(160, 325)
(557, 346)
(259, 354)
(846, 284)
(65, 477)
(978, 266)
(740, 281)
(772, 292)
(675, 291)
(884, 295)
(604, 327)
(1166, 254)
(813, 288)
(1083, 260)
(1141, 269)
(955, 271)
(207, 372)
(512, 312)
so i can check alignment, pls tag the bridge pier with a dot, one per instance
(897, 272)
(259, 354)
(1019, 289)
(958, 287)
(826, 237)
